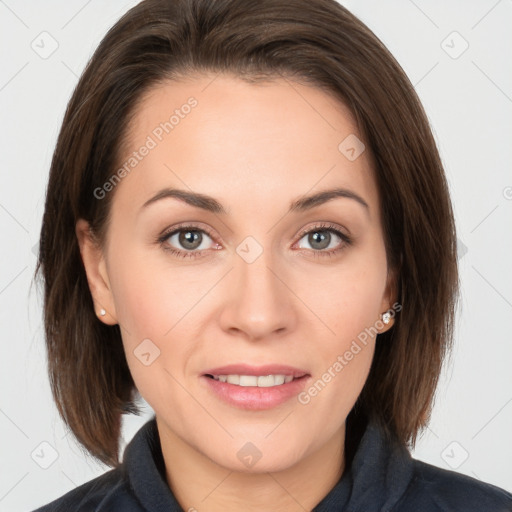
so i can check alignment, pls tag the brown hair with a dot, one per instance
(316, 42)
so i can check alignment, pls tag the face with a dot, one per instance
(253, 280)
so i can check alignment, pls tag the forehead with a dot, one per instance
(234, 140)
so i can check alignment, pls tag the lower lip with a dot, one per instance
(253, 397)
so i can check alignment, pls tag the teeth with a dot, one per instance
(262, 381)
(233, 379)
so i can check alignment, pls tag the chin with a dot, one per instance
(255, 457)
(264, 465)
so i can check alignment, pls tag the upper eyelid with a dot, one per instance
(323, 226)
(183, 227)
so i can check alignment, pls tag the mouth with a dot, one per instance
(255, 388)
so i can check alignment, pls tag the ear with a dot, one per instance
(389, 300)
(96, 271)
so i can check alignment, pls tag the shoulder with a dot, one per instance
(97, 495)
(437, 489)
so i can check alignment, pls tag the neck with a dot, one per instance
(198, 483)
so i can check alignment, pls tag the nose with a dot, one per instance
(259, 303)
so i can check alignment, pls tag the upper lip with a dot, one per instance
(267, 369)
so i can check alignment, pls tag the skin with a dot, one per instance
(255, 148)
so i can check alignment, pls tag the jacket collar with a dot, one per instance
(376, 479)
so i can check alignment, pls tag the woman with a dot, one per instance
(248, 224)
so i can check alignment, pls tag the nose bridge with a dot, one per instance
(256, 277)
(259, 302)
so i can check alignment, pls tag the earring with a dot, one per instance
(102, 312)
(386, 317)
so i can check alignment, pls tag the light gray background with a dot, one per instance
(468, 99)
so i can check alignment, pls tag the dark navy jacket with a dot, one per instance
(382, 477)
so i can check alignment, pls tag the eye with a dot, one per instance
(187, 241)
(324, 239)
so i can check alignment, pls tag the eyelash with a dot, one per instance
(347, 241)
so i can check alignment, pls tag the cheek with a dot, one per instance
(150, 295)
(344, 300)
(344, 351)
(149, 306)
(138, 302)
(159, 307)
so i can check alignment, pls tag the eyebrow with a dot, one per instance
(210, 204)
